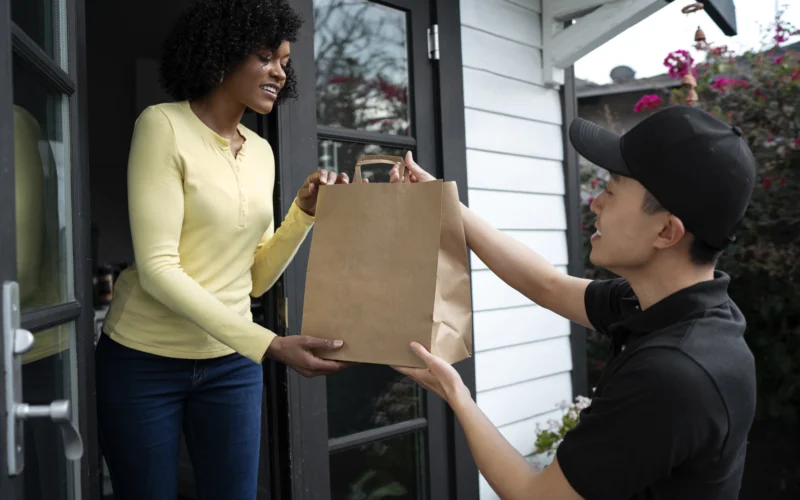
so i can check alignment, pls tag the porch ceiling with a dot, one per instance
(573, 28)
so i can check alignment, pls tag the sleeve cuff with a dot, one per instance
(297, 214)
(590, 298)
(257, 350)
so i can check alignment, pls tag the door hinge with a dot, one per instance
(433, 42)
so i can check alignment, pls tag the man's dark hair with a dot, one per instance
(212, 37)
(700, 252)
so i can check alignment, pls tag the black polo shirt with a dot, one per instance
(670, 415)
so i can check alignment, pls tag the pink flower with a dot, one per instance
(781, 34)
(679, 63)
(649, 101)
(797, 142)
(796, 74)
(723, 83)
(595, 181)
(718, 51)
(339, 79)
(779, 59)
(783, 181)
(767, 182)
(590, 201)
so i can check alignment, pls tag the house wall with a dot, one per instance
(516, 181)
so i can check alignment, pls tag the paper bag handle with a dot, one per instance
(372, 159)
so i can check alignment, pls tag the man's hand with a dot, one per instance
(414, 173)
(507, 472)
(297, 352)
(307, 195)
(440, 377)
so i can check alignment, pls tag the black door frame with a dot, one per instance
(8, 253)
(71, 83)
(572, 201)
(295, 142)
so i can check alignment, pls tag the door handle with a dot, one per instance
(17, 342)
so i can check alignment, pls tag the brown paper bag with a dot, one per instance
(388, 266)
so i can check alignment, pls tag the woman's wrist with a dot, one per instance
(309, 211)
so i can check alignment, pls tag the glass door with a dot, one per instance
(374, 95)
(41, 233)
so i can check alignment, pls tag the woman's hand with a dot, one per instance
(296, 351)
(414, 173)
(307, 195)
(440, 377)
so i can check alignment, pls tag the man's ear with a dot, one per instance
(672, 232)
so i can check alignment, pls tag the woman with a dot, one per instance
(180, 352)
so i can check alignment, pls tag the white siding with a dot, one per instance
(515, 179)
(522, 436)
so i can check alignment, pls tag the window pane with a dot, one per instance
(361, 52)
(45, 22)
(48, 374)
(338, 156)
(384, 469)
(42, 191)
(367, 396)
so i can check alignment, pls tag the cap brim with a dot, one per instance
(598, 145)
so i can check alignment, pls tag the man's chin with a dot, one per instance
(595, 259)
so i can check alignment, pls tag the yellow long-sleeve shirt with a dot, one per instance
(203, 239)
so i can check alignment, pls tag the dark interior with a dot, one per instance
(122, 81)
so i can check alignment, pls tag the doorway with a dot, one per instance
(122, 80)
(73, 79)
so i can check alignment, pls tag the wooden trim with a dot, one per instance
(42, 318)
(382, 433)
(451, 134)
(598, 21)
(295, 125)
(90, 464)
(572, 199)
(30, 52)
(363, 136)
(10, 487)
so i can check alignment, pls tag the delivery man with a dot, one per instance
(671, 413)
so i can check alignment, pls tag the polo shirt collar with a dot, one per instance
(674, 308)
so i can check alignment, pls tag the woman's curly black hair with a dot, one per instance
(212, 37)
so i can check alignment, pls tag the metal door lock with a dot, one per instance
(17, 342)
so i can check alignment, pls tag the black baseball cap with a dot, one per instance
(698, 167)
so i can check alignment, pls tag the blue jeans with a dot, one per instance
(144, 401)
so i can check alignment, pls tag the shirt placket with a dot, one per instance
(236, 164)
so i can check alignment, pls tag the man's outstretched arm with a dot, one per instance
(505, 469)
(520, 267)
(525, 270)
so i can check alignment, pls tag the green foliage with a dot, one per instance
(547, 440)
